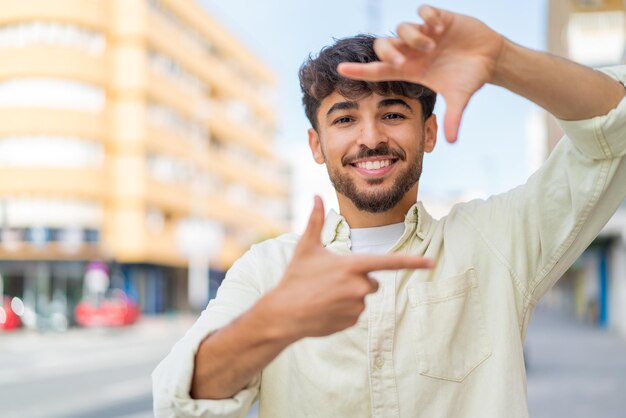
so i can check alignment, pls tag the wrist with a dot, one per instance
(274, 322)
(505, 62)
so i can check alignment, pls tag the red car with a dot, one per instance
(9, 319)
(115, 310)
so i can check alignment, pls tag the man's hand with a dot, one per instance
(322, 292)
(452, 54)
(455, 55)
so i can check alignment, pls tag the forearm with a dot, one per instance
(567, 90)
(228, 359)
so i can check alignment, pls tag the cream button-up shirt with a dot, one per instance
(440, 343)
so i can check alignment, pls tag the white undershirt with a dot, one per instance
(377, 239)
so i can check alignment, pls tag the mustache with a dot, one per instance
(381, 150)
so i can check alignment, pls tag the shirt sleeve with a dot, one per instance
(171, 380)
(539, 229)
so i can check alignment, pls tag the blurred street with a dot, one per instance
(574, 370)
(84, 372)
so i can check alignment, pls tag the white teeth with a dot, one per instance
(373, 165)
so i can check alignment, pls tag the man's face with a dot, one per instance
(372, 147)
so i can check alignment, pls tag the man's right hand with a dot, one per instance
(452, 54)
(322, 292)
(455, 55)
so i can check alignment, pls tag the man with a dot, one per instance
(441, 331)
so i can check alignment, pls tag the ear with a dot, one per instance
(430, 133)
(316, 146)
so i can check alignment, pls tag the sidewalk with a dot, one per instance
(574, 370)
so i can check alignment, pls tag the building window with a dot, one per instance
(155, 220)
(170, 169)
(242, 113)
(188, 32)
(51, 93)
(197, 38)
(166, 66)
(51, 33)
(18, 212)
(48, 151)
(166, 117)
(239, 194)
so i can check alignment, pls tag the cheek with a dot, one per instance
(335, 147)
(411, 140)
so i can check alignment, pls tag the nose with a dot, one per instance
(371, 134)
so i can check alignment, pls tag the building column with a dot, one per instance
(617, 294)
(124, 232)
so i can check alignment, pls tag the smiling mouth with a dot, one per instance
(374, 166)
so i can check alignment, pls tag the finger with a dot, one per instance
(373, 71)
(412, 36)
(374, 284)
(402, 47)
(386, 50)
(368, 263)
(362, 285)
(455, 106)
(312, 234)
(432, 18)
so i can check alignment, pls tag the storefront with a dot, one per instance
(51, 290)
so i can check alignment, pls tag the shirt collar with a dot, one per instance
(336, 231)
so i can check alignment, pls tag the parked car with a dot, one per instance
(115, 309)
(9, 318)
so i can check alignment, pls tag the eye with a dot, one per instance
(342, 120)
(394, 116)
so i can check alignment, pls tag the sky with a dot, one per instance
(491, 153)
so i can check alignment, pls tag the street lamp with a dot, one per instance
(199, 240)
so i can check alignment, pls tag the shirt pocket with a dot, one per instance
(450, 333)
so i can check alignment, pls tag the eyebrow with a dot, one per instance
(393, 102)
(349, 105)
(342, 106)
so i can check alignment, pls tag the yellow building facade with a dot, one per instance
(135, 132)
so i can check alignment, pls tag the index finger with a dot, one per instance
(368, 263)
(372, 71)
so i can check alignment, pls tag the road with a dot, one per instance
(84, 373)
(574, 370)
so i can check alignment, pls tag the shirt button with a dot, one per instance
(379, 362)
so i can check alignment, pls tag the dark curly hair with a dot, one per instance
(319, 77)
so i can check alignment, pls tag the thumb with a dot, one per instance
(311, 236)
(455, 106)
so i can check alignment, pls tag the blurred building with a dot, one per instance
(592, 32)
(138, 132)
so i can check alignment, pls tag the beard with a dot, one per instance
(379, 199)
